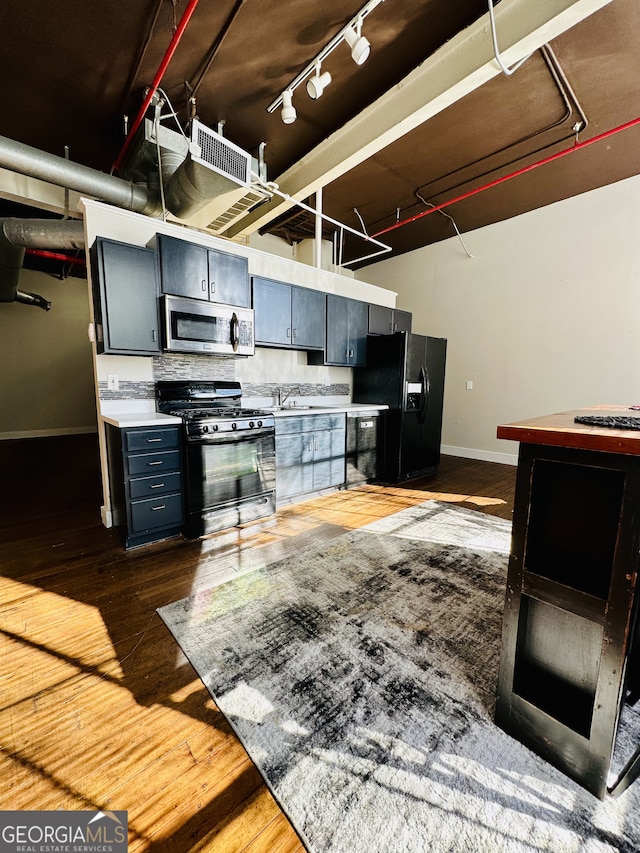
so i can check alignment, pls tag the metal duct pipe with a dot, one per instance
(32, 299)
(26, 160)
(18, 234)
(42, 233)
(11, 258)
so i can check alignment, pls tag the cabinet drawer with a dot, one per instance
(163, 511)
(288, 426)
(146, 487)
(154, 463)
(310, 423)
(151, 439)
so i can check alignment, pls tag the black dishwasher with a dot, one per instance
(364, 443)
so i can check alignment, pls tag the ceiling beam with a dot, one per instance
(459, 67)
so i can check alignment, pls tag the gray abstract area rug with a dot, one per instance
(360, 676)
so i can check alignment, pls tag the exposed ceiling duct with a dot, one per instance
(207, 181)
(16, 235)
(208, 176)
(26, 160)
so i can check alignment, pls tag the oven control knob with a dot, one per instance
(215, 427)
(205, 428)
(259, 423)
(251, 424)
(234, 425)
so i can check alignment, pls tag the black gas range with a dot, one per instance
(228, 453)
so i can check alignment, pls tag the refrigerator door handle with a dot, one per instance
(424, 396)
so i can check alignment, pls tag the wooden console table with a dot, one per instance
(569, 647)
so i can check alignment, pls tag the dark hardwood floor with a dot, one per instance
(99, 709)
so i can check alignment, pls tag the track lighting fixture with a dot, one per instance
(360, 47)
(288, 113)
(316, 81)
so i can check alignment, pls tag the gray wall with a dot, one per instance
(544, 318)
(46, 378)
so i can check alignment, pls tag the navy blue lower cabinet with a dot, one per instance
(310, 454)
(145, 476)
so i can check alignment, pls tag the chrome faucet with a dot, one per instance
(283, 396)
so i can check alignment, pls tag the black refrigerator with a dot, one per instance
(405, 372)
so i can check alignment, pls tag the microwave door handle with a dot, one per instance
(235, 331)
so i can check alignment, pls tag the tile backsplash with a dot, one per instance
(295, 378)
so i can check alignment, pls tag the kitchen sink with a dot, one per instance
(296, 408)
(288, 408)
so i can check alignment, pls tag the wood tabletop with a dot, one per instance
(560, 430)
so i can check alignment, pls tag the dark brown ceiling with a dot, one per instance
(71, 71)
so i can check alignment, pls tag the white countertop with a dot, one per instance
(323, 410)
(144, 417)
(139, 419)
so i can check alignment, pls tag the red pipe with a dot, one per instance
(56, 256)
(576, 147)
(188, 12)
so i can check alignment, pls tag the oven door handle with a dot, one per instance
(235, 331)
(231, 437)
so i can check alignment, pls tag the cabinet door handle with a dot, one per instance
(289, 332)
(212, 286)
(295, 332)
(152, 440)
(156, 508)
(153, 335)
(310, 447)
(315, 447)
(156, 463)
(204, 285)
(157, 486)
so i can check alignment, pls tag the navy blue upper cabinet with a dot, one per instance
(347, 327)
(125, 291)
(287, 315)
(386, 321)
(188, 269)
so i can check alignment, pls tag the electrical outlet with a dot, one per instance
(113, 383)
(469, 384)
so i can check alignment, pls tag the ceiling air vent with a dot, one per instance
(213, 168)
(218, 153)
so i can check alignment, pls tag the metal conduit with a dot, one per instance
(578, 146)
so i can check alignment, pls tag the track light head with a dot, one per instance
(318, 83)
(360, 47)
(288, 114)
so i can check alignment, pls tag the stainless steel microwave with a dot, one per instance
(192, 325)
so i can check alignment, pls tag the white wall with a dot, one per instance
(544, 318)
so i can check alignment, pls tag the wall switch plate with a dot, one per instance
(113, 383)
(469, 384)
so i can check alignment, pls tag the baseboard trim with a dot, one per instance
(47, 433)
(484, 455)
(106, 516)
